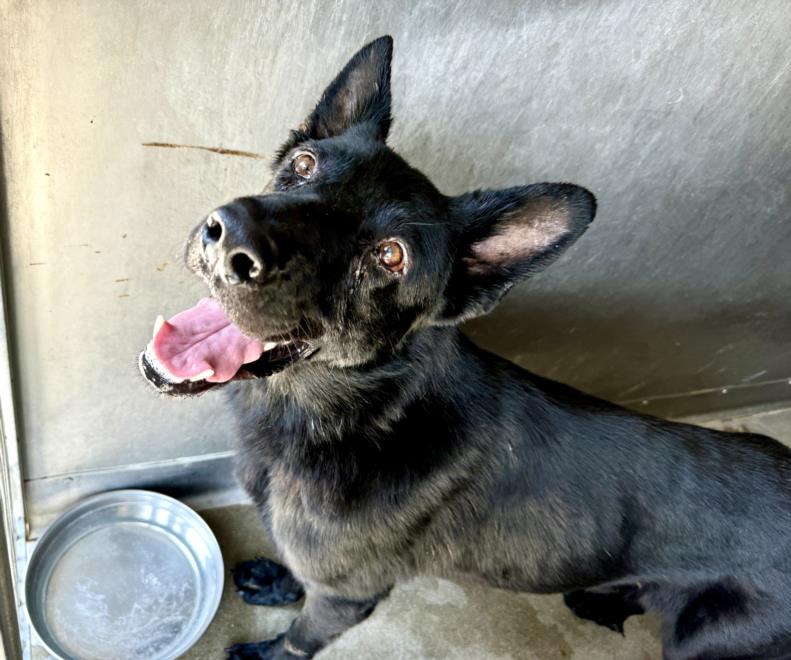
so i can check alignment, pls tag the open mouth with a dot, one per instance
(200, 348)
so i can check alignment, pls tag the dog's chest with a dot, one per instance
(323, 539)
(357, 504)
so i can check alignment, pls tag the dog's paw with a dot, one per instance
(270, 649)
(607, 609)
(265, 582)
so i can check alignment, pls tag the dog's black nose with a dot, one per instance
(214, 229)
(242, 266)
(229, 250)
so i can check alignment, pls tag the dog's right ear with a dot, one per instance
(359, 96)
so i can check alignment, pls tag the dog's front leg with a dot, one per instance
(324, 617)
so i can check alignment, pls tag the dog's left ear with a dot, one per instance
(359, 95)
(506, 235)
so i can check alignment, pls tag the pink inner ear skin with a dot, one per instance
(524, 233)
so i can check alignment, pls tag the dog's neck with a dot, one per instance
(331, 401)
(420, 359)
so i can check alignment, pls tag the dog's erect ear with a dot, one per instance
(359, 95)
(506, 235)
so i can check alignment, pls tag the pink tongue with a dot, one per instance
(203, 338)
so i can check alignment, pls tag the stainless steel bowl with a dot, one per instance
(125, 575)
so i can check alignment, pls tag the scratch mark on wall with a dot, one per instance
(215, 150)
(630, 390)
(707, 390)
(122, 279)
(37, 263)
(751, 378)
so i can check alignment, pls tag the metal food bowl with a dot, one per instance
(125, 575)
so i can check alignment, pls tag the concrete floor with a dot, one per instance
(426, 618)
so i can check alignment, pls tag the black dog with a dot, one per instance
(378, 443)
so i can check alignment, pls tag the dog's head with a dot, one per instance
(350, 249)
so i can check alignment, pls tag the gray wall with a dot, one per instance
(675, 113)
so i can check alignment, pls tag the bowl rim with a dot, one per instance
(93, 502)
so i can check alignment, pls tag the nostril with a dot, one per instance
(212, 232)
(244, 267)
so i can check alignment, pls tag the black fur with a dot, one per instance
(264, 582)
(399, 447)
(609, 608)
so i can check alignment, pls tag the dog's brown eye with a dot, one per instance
(304, 164)
(392, 256)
